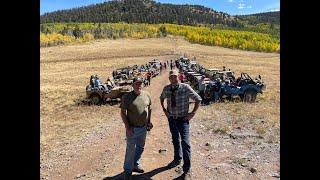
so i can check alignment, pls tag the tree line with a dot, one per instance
(267, 17)
(64, 33)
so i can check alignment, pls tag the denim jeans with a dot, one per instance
(216, 96)
(180, 128)
(135, 147)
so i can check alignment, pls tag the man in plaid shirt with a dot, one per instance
(177, 111)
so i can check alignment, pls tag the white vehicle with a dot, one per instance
(155, 63)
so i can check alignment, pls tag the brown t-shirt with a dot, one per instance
(137, 107)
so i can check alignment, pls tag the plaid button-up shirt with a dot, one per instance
(182, 95)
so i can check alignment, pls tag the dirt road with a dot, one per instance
(224, 140)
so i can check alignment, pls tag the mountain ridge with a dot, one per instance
(141, 11)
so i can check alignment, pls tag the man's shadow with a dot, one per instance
(144, 176)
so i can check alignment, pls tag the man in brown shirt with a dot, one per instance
(136, 114)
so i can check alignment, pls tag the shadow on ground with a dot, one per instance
(88, 102)
(144, 176)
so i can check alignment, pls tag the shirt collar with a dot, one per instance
(178, 85)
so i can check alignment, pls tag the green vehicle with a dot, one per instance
(103, 92)
(211, 72)
(98, 96)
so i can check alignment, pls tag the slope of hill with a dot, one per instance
(141, 11)
(267, 17)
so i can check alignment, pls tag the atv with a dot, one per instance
(247, 88)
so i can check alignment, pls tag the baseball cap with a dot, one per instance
(173, 73)
(137, 79)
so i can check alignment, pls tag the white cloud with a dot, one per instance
(241, 6)
(274, 10)
(230, 1)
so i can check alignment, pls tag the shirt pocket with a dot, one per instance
(181, 92)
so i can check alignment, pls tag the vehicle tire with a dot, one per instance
(109, 87)
(228, 97)
(250, 96)
(95, 99)
(88, 87)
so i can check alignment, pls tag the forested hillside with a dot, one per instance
(149, 19)
(141, 11)
(267, 17)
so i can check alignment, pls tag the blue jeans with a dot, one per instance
(180, 128)
(216, 96)
(135, 147)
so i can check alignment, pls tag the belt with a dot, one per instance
(177, 117)
(139, 126)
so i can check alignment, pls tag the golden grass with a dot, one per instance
(264, 115)
(65, 72)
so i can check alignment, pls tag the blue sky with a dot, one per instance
(232, 7)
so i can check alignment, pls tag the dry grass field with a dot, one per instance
(65, 121)
(65, 72)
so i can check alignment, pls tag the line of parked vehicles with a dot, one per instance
(218, 85)
(120, 82)
(213, 85)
